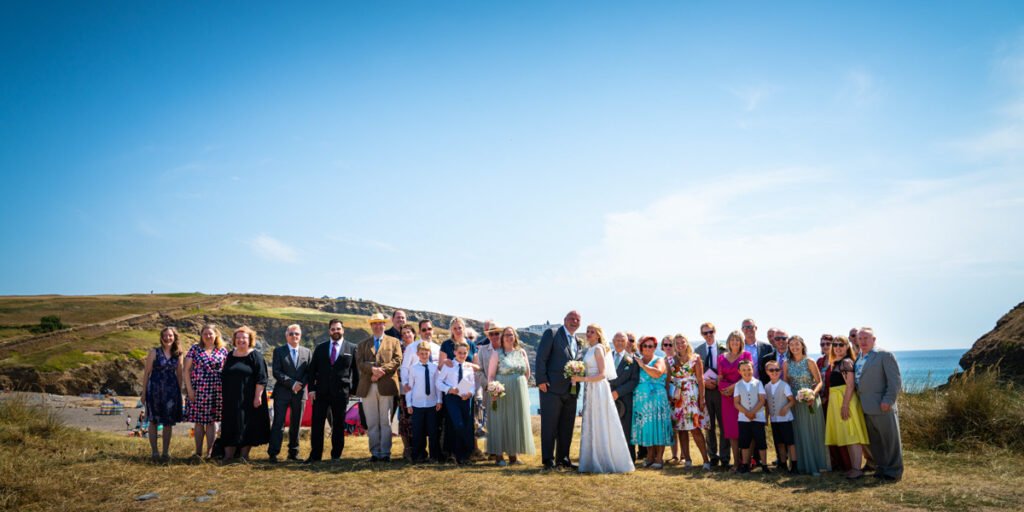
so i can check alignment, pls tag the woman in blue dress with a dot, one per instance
(652, 415)
(161, 389)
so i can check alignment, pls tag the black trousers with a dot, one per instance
(424, 426)
(281, 406)
(460, 418)
(337, 406)
(627, 427)
(557, 419)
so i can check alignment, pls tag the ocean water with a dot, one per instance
(920, 369)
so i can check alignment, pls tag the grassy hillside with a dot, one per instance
(123, 327)
(92, 471)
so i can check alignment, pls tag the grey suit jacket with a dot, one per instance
(287, 373)
(880, 381)
(701, 351)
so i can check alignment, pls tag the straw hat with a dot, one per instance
(377, 318)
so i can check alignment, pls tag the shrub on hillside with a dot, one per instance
(48, 323)
(975, 409)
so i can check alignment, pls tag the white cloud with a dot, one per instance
(751, 97)
(272, 249)
(861, 87)
(1006, 137)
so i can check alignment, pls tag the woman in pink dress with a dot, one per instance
(728, 376)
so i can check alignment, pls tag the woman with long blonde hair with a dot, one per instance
(603, 447)
(689, 415)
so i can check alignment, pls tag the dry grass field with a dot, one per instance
(47, 466)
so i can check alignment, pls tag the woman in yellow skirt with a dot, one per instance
(844, 424)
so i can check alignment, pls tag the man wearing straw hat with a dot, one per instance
(484, 349)
(379, 359)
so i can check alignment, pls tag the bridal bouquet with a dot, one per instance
(496, 390)
(575, 369)
(806, 396)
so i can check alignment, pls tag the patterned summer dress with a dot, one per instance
(686, 411)
(652, 417)
(206, 383)
(163, 393)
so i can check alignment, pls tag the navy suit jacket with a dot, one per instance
(552, 355)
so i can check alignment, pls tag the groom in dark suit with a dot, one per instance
(332, 377)
(627, 376)
(557, 347)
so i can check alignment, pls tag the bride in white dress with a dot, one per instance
(603, 447)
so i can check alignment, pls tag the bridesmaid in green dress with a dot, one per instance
(808, 418)
(508, 427)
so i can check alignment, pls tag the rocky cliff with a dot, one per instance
(1002, 347)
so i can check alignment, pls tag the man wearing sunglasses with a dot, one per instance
(780, 339)
(290, 366)
(718, 447)
(760, 352)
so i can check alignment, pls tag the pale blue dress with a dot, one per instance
(652, 415)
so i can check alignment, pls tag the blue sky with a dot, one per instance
(654, 165)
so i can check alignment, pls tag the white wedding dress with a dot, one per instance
(603, 447)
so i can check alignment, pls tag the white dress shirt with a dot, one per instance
(449, 377)
(410, 358)
(418, 397)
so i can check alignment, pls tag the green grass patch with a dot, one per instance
(77, 310)
(77, 353)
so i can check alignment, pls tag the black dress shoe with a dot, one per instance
(293, 457)
(373, 458)
(548, 466)
(567, 464)
(311, 461)
(272, 459)
(385, 459)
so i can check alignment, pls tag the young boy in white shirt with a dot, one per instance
(749, 398)
(780, 408)
(423, 400)
(457, 383)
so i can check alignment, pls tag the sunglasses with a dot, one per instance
(748, 327)
(705, 333)
(667, 345)
(426, 329)
(772, 370)
(781, 338)
(647, 345)
(838, 344)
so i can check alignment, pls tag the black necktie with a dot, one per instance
(707, 360)
(460, 372)
(426, 374)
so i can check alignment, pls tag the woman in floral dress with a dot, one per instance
(686, 382)
(161, 392)
(203, 364)
(652, 417)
